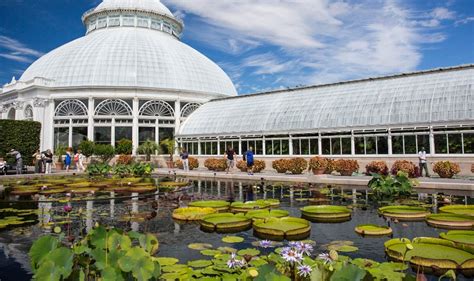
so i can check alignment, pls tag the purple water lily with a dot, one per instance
(67, 208)
(291, 255)
(233, 262)
(305, 248)
(266, 244)
(325, 257)
(304, 270)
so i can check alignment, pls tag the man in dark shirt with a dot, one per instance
(230, 154)
(185, 159)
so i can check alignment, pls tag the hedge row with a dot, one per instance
(23, 136)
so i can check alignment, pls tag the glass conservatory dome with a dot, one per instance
(131, 43)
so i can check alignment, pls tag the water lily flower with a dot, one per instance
(266, 243)
(67, 208)
(325, 257)
(44, 187)
(293, 244)
(68, 194)
(291, 255)
(304, 270)
(305, 248)
(234, 263)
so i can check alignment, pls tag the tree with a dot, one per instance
(105, 152)
(170, 146)
(124, 146)
(87, 148)
(148, 148)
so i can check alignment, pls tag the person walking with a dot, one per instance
(79, 159)
(422, 162)
(38, 161)
(68, 160)
(230, 154)
(18, 161)
(48, 159)
(249, 158)
(185, 159)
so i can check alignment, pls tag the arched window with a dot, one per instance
(28, 113)
(156, 108)
(11, 114)
(189, 108)
(113, 108)
(71, 108)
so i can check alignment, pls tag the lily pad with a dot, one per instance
(192, 213)
(326, 213)
(250, 252)
(458, 209)
(232, 239)
(200, 263)
(404, 213)
(450, 221)
(465, 237)
(373, 230)
(289, 228)
(272, 202)
(199, 246)
(164, 261)
(225, 222)
(219, 205)
(210, 252)
(243, 207)
(342, 248)
(264, 214)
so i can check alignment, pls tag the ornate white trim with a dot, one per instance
(18, 105)
(38, 102)
(156, 108)
(189, 108)
(70, 108)
(113, 107)
(28, 113)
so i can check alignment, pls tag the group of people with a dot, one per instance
(230, 157)
(43, 161)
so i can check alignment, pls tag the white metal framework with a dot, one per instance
(28, 113)
(71, 108)
(113, 108)
(156, 109)
(189, 108)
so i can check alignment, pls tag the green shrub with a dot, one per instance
(148, 148)
(98, 169)
(124, 146)
(23, 136)
(390, 187)
(105, 152)
(87, 148)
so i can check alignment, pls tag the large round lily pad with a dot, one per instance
(264, 214)
(191, 213)
(326, 213)
(404, 213)
(458, 209)
(433, 255)
(289, 228)
(272, 202)
(459, 236)
(219, 205)
(243, 207)
(450, 221)
(373, 230)
(225, 222)
(143, 189)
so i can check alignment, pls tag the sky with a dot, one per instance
(272, 44)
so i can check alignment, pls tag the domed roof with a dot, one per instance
(131, 57)
(146, 5)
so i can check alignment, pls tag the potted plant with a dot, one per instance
(346, 166)
(405, 166)
(60, 151)
(148, 148)
(376, 167)
(170, 146)
(297, 166)
(218, 165)
(258, 166)
(446, 169)
(87, 148)
(281, 165)
(331, 166)
(318, 165)
(193, 163)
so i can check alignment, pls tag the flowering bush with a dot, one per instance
(330, 166)
(376, 167)
(446, 169)
(125, 159)
(193, 163)
(405, 166)
(297, 166)
(214, 164)
(281, 165)
(258, 166)
(346, 166)
(317, 163)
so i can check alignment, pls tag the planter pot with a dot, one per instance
(319, 171)
(281, 171)
(346, 173)
(445, 175)
(59, 166)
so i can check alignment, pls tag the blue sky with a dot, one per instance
(271, 44)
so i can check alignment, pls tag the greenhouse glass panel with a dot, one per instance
(468, 143)
(314, 146)
(455, 143)
(214, 148)
(410, 144)
(245, 146)
(397, 144)
(222, 148)
(326, 146)
(61, 137)
(441, 142)
(122, 133)
(346, 146)
(370, 145)
(258, 147)
(195, 148)
(296, 147)
(382, 145)
(336, 146)
(424, 142)
(145, 134)
(285, 147)
(359, 145)
(276, 147)
(102, 135)
(203, 148)
(268, 147)
(79, 134)
(305, 147)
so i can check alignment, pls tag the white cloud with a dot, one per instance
(315, 41)
(12, 49)
(465, 20)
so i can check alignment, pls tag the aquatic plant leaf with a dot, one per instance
(48, 271)
(349, 272)
(177, 268)
(269, 272)
(227, 250)
(137, 261)
(199, 246)
(199, 263)
(249, 251)
(111, 274)
(164, 261)
(210, 252)
(62, 259)
(98, 237)
(150, 243)
(232, 239)
(343, 248)
(116, 241)
(41, 248)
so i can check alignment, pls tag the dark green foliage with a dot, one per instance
(389, 187)
(23, 136)
(136, 170)
(105, 152)
(124, 146)
(98, 169)
(87, 147)
(148, 148)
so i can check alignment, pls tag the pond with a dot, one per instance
(152, 211)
